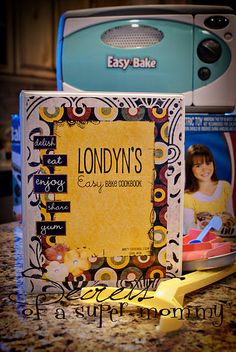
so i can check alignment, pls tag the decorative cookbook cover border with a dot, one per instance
(102, 188)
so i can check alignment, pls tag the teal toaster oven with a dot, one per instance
(165, 49)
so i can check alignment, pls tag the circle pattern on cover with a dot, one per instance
(96, 262)
(160, 153)
(143, 261)
(159, 236)
(155, 173)
(106, 113)
(105, 274)
(163, 216)
(86, 276)
(155, 272)
(164, 132)
(56, 115)
(81, 113)
(133, 114)
(118, 262)
(50, 240)
(174, 153)
(159, 195)
(162, 256)
(158, 114)
(153, 216)
(131, 273)
(163, 173)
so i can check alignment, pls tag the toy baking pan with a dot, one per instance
(205, 250)
(210, 263)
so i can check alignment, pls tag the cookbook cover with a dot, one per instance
(102, 188)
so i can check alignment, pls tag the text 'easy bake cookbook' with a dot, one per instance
(102, 188)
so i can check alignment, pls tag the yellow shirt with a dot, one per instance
(219, 202)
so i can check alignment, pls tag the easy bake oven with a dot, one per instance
(167, 49)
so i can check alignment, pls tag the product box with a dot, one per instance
(102, 188)
(16, 166)
(216, 133)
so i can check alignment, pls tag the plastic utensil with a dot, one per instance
(168, 297)
(215, 223)
(211, 236)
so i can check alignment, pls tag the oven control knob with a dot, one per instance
(204, 73)
(209, 51)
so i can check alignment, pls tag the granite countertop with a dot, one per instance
(61, 325)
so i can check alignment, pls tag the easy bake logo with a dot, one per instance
(135, 62)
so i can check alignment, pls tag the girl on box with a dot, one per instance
(205, 195)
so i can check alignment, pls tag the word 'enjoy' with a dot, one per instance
(50, 183)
